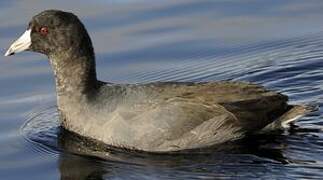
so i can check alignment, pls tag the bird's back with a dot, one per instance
(176, 116)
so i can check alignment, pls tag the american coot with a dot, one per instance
(155, 117)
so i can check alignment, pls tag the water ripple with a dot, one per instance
(41, 130)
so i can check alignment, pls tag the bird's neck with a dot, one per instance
(75, 76)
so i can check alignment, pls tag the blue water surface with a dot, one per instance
(278, 44)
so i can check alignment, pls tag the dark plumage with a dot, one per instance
(154, 117)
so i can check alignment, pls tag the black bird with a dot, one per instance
(154, 117)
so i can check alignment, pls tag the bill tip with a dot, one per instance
(8, 53)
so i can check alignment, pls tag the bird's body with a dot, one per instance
(172, 116)
(155, 117)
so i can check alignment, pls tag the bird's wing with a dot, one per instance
(191, 115)
(179, 116)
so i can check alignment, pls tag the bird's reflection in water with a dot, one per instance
(77, 167)
(85, 159)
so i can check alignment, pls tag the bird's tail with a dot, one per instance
(295, 112)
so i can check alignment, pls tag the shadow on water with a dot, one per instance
(77, 156)
(83, 159)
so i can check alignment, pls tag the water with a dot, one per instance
(278, 44)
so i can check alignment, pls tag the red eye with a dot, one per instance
(43, 31)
